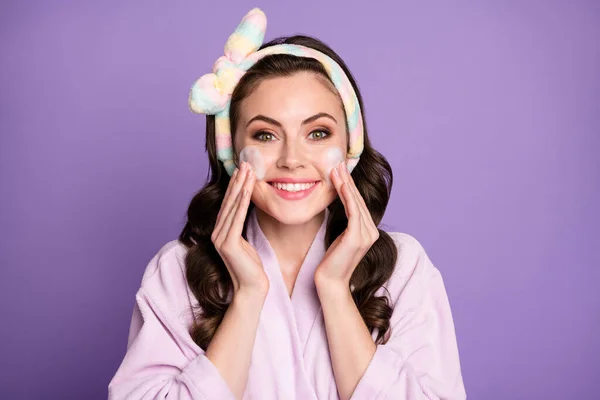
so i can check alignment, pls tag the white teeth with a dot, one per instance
(293, 187)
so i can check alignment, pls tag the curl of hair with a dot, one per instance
(206, 273)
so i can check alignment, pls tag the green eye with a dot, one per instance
(319, 134)
(260, 136)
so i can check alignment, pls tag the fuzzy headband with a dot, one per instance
(211, 93)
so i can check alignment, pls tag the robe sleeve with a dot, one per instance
(420, 360)
(161, 360)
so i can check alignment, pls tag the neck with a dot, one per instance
(289, 242)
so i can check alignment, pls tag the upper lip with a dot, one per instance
(292, 180)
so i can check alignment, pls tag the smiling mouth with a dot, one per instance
(293, 187)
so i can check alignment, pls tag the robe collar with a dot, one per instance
(304, 303)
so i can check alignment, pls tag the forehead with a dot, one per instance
(296, 96)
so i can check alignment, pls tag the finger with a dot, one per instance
(349, 198)
(347, 178)
(229, 203)
(237, 224)
(352, 211)
(368, 220)
(347, 194)
(348, 181)
(338, 183)
(370, 231)
(238, 208)
(232, 181)
(355, 192)
(336, 178)
(364, 226)
(222, 235)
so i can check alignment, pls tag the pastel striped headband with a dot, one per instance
(211, 93)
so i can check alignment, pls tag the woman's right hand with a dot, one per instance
(240, 258)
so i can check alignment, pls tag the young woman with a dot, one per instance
(280, 285)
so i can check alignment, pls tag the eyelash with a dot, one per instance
(260, 133)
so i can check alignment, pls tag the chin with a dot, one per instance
(298, 217)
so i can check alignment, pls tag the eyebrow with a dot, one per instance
(277, 123)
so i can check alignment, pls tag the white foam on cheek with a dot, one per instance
(333, 157)
(254, 157)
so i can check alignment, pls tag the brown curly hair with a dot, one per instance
(206, 273)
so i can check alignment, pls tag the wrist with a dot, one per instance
(331, 287)
(250, 295)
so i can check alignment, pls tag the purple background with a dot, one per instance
(489, 115)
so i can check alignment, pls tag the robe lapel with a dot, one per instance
(304, 304)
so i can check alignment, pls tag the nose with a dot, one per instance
(291, 156)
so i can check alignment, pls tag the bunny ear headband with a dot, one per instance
(211, 94)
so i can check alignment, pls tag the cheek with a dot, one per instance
(253, 156)
(260, 161)
(329, 159)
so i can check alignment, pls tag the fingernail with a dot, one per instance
(249, 171)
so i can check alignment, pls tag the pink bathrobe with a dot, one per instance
(291, 359)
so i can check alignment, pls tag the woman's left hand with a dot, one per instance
(344, 254)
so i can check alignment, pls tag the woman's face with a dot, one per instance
(293, 129)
